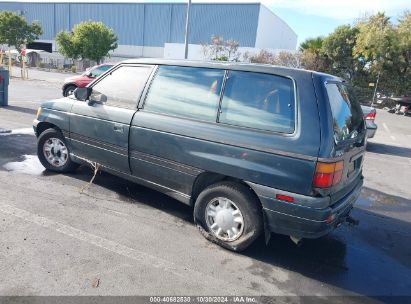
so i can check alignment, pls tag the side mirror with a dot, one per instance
(96, 98)
(82, 94)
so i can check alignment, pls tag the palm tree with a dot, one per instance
(312, 44)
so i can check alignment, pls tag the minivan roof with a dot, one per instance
(250, 67)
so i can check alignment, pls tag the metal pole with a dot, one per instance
(375, 89)
(187, 29)
(10, 67)
(378, 76)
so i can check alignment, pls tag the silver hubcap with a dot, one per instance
(224, 219)
(55, 151)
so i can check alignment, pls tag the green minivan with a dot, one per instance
(253, 148)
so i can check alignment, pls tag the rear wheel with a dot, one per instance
(229, 215)
(68, 90)
(53, 152)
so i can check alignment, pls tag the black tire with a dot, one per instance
(68, 89)
(44, 137)
(247, 203)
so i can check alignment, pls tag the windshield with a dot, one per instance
(346, 111)
(98, 70)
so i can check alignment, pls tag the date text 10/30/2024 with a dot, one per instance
(203, 299)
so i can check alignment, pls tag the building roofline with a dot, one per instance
(281, 19)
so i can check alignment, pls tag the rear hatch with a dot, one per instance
(349, 136)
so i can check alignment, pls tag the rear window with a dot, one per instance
(259, 101)
(346, 111)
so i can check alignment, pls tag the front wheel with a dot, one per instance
(229, 215)
(53, 152)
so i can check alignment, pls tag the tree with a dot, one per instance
(264, 57)
(313, 45)
(221, 50)
(67, 45)
(16, 31)
(89, 39)
(404, 51)
(374, 38)
(231, 47)
(404, 32)
(312, 55)
(338, 48)
(383, 49)
(288, 59)
(283, 58)
(214, 49)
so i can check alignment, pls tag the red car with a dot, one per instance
(81, 81)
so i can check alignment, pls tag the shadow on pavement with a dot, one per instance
(372, 259)
(388, 149)
(135, 194)
(21, 109)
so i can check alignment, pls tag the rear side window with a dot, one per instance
(186, 92)
(259, 101)
(346, 111)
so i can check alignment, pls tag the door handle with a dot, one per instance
(118, 128)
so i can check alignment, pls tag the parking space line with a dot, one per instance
(406, 162)
(386, 127)
(93, 239)
(142, 257)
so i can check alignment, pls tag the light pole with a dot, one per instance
(187, 29)
(375, 89)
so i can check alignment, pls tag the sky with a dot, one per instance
(310, 18)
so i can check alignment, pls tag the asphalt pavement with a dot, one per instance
(118, 238)
(43, 74)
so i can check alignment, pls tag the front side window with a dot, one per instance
(185, 92)
(259, 101)
(122, 87)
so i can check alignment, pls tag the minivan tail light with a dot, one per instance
(327, 174)
(371, 116)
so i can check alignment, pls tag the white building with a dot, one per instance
(158, 29)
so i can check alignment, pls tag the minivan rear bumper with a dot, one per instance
(371, 128)
(305, 218)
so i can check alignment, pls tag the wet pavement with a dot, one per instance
(372, 259)
(148, 228)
